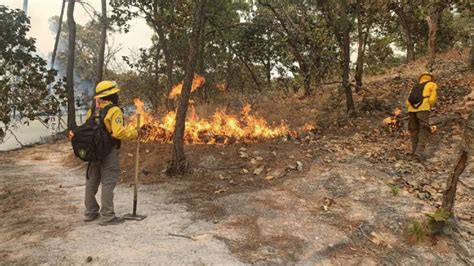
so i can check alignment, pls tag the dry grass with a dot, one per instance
(413, 69)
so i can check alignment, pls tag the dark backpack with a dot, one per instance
(416, 95)
(91, 141)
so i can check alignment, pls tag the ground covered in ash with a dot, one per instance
(344, 193)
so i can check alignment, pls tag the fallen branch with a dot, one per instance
(184, 236)
(16, 138)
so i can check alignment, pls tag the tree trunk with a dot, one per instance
(71, 110)
(304, 71)
(362, 38)
(472, 47)
(432, 20)
(156, 74)
(58, 34)
(103, 39)
(359, 67)
(409, 41)
(179, 164)
(166, 52)
(410, 48)
(408, 34)
(293, 41)
(346, 54)
(268, 70)
(307, 84)
(201, 66)
(449, 194)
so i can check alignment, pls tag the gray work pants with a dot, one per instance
(107, 173)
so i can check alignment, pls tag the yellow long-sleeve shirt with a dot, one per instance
(114, 123)
(429, 95)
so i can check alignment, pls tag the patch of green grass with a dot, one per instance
(394, 189)
(440, 222)
(417, 232)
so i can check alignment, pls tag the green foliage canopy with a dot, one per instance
(24, 77)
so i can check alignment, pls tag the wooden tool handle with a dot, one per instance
(136, 168)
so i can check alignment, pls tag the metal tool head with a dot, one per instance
(136, 217)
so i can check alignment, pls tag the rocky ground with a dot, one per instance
(342, 194)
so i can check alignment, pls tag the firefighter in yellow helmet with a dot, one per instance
(107, 171)
(419, 113)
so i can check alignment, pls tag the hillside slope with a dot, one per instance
(355, 182)
(341, 194)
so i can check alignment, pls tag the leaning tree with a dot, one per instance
(179, 164)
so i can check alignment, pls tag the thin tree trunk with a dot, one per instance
(362, 38)
(71, 110)
(293, 43)
(247, 66)
(472, 49)
(166, 52)
(410, 48)
(346, 52)
(359, 67)
(360, 47)
(449, 194)
(433, 21)
(433, 28)
(179, 164)
(307, 84)
(203, 91)
(156, 101)
(103, 40)
(268, 72)
(58, 34)
(408, 34)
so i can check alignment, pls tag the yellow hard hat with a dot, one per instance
(425, 73)
(106, 88)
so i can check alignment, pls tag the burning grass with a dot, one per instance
(222, 127)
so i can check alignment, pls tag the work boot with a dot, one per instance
(91, 217)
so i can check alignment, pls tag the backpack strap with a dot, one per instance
(423, 89)
(103, 112)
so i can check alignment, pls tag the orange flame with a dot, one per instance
(221, 127)
(308, 127)
(198, 81)
(397, 112)
(393, 121)
(221, 87)
(389, 121)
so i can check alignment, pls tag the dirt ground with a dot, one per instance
(283, 221)
(42, 220)
(343, 194)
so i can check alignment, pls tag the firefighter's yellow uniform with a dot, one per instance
(114, 123)
(429, 94)
(107, 171)
(418, 123)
